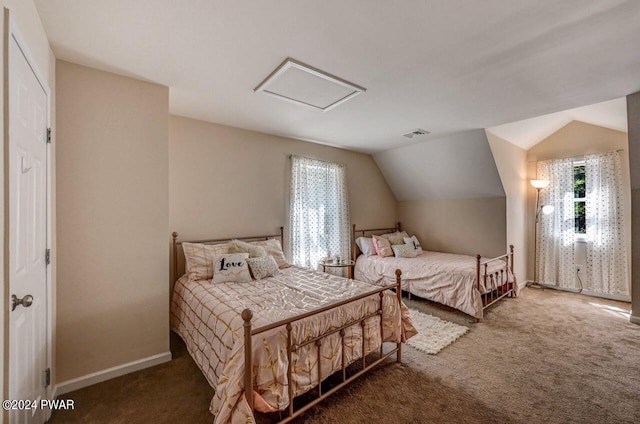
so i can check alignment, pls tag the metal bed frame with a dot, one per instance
(250, 331)
(497, 283)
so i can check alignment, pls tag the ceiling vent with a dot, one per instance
(298, 83)
(416, 133)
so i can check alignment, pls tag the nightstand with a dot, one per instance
(342, 264)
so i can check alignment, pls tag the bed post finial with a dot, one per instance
(248, 357)
(174, 252)
(399, 295)
(511, 254)
(353, 242)
(282, 238)
(247, 315)
(478, 258)
(513, 272)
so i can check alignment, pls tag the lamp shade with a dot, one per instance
(539, 183)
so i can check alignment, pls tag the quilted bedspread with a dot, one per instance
(207, 317)
(442, 277)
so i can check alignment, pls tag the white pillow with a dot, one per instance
(397, 233)
(366, 246)
(239, 246)
(413, 241)
(404, 251)
(274, 248)
(231, 267)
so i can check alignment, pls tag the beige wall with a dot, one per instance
(24, 15)
(227, 181)
(633, 116)
(465, 226)
(512, 166)
(574, 140)
(113, 220)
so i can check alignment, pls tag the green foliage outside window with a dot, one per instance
(579, 193)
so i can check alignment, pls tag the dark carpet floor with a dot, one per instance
(545, 357)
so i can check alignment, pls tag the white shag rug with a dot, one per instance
(434, 334)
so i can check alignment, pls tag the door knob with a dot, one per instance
(25, 301)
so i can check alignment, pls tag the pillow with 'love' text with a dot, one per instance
(231, 267)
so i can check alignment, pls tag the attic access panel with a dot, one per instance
(298, 83)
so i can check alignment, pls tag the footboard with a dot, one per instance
(497, 283)
(249, 332)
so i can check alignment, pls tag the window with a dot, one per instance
(589, 206)
(319, 211)
(579, 198)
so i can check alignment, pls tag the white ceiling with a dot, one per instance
(529, 132)
(442, 66)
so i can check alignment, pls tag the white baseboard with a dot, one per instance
(109, 373)
(618, 297)
(634, 319)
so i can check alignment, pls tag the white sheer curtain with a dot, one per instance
(319, 211)
(555, 246)
(607, 270)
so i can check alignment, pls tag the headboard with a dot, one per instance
(177, 255)
(355, 250)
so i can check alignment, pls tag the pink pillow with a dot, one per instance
(382, 246)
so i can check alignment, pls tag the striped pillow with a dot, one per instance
(274, 248)
(199, 259)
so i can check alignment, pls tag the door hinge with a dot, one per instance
(48, 135)
(47, 256)
(47, 377)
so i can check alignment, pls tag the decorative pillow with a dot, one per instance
(274, 248)
(382, 246)
(238, 246)
(262, 267)
(404, 251)
(413, 241)
(396, 239)
(199, 259)
(397, 233)
(231, 267)
(366, 246)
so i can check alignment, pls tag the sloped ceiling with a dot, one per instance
(455, 166)
(529, 132)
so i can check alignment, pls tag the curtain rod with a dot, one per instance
(319, 160)
(573, 157)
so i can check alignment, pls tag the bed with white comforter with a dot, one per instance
(445, 278)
